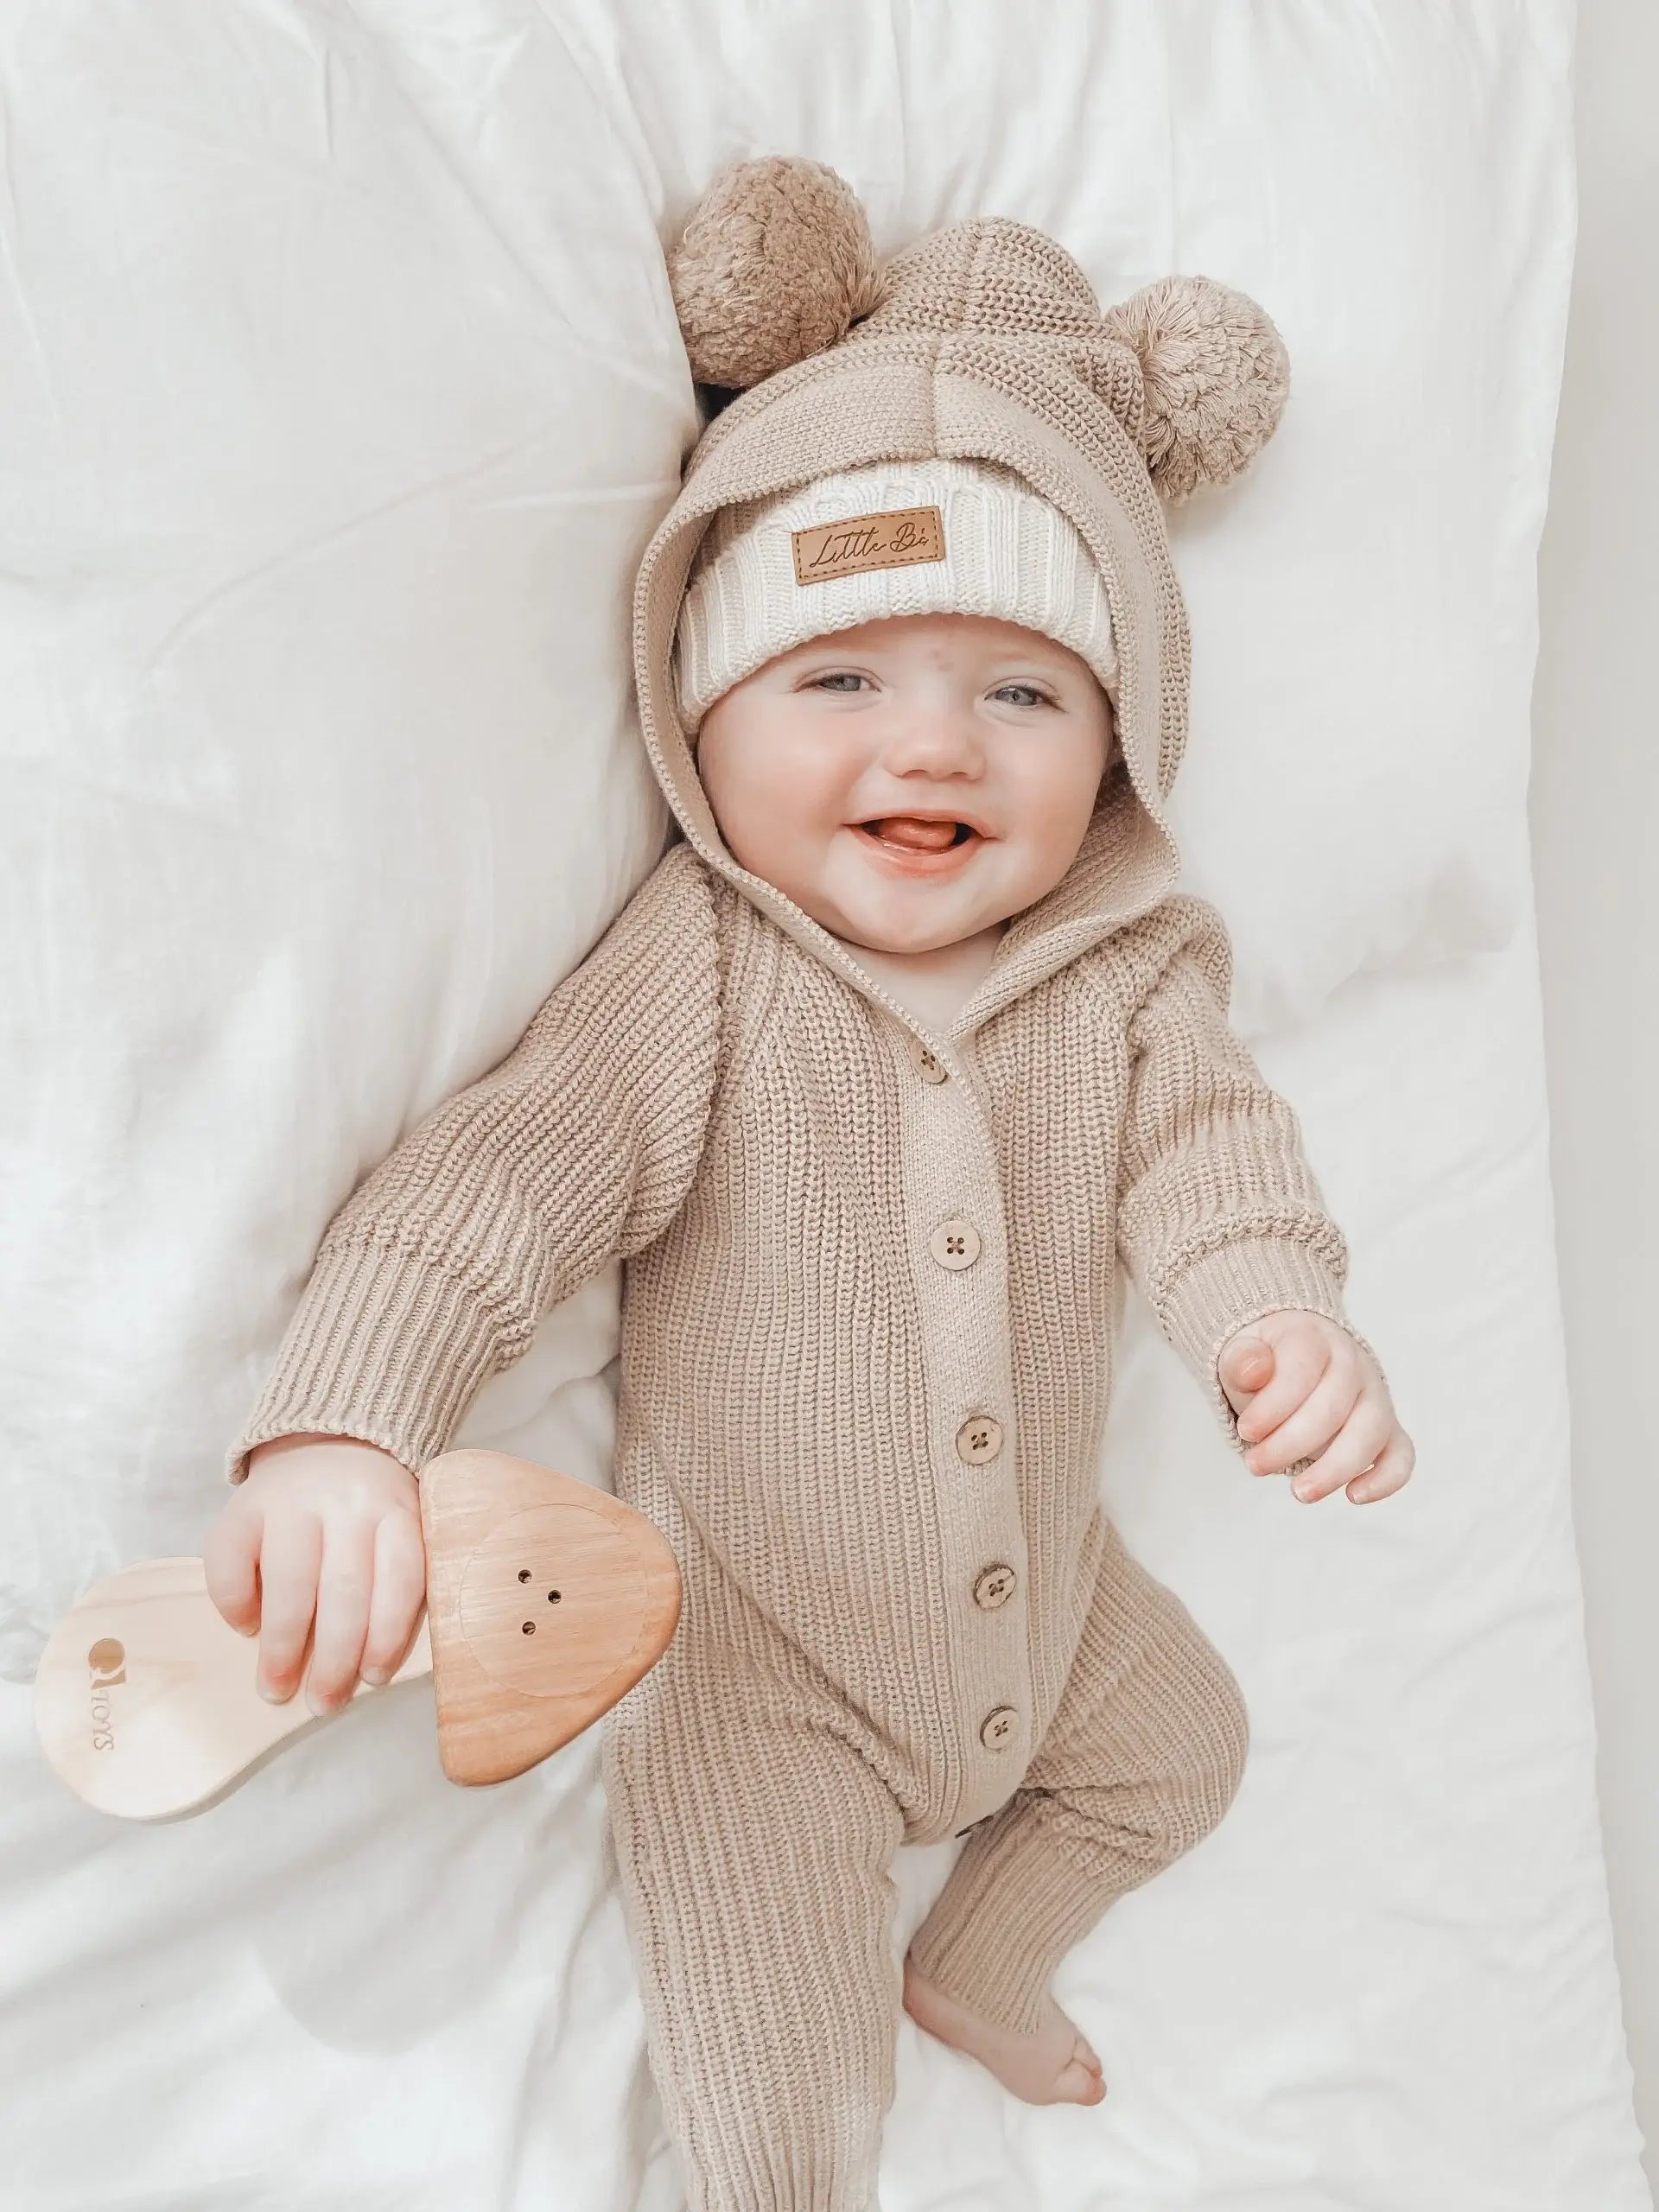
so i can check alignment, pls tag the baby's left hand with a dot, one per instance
(1300, 1385)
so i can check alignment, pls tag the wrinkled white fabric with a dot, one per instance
(343, 390)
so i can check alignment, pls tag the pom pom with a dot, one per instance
(1216, 374)
(775, 263)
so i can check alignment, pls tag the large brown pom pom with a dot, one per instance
(774, 264)
(1216, 375)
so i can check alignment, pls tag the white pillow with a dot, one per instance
(327, 467)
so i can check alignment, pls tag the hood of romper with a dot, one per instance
(958, 428)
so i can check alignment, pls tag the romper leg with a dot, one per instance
(754, 1849)
(1142, 1759)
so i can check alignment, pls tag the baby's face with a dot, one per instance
(816, 765)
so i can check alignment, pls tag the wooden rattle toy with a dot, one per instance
(546, 1601)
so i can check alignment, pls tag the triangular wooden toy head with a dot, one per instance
(546, 1601)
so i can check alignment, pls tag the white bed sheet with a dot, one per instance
(345, 391)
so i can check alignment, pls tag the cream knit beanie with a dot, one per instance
(931, 537)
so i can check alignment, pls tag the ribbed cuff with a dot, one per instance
(1016, 1902)
(381, 1347)
(1210, 1301)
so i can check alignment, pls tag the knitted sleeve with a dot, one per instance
(1219, 1218)
(577, 1149)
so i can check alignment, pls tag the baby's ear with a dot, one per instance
(1216, 373)
(775, 263)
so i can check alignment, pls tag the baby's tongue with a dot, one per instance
(920, 836)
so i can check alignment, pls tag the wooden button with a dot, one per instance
(996, 1730)
(928, 1063)
(979, 1439)
(994, 1587)
(955, 1243)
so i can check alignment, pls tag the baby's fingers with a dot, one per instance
(1301, 1365)
(1363, 1435)
(1390, 1471)
(399, 1591)
(1246, 1368)
(344, 1589)
(230, 1559)
(290, 1553)
(1312, 1424)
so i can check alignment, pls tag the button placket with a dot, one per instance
(951, 1164)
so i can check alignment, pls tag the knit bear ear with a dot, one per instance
(1216, 373)
(775, 263)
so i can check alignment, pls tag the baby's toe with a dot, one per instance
(1077, 2085)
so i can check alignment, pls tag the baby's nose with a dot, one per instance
(924, 739)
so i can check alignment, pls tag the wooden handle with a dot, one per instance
(146, 1699)
(547, 1600)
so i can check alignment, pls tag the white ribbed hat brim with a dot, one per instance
(1008, 553)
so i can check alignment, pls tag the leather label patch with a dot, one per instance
(896, 540)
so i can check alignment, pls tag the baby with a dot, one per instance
(904, 1053)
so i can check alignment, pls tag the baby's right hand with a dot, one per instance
(328, 1523)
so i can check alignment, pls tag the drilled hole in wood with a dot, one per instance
(528, 1628)
(554, 1597)
(523, 1574)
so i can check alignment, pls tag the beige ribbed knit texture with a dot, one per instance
(853, 1250)
(1008, 553)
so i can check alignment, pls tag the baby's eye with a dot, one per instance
(1033, 696)
(839, 678)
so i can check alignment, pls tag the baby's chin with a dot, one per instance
(950, 922)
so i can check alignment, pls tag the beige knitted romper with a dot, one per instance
(870, 1290)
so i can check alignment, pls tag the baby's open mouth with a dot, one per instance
(916, 835)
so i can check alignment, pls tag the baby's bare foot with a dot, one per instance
(1054, 2066)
